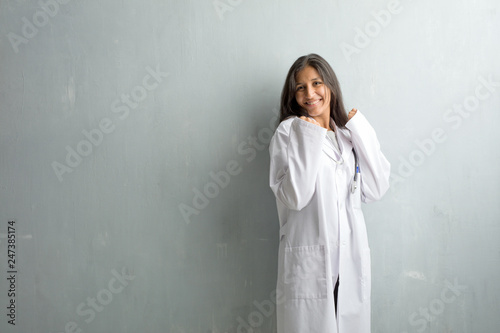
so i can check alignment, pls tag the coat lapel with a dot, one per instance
(345, 144)
(331, 150)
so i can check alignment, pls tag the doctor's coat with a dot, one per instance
(322, 228)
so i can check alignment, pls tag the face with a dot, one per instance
(311, 93)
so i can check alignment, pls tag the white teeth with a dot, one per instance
(312, 103)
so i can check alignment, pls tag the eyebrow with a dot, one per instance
(315, 79)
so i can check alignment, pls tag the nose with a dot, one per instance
(310, 92)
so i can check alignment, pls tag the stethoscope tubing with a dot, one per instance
(356, 172)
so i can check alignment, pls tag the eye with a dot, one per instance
(317, 83)
(299, 88)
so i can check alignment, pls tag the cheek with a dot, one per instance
(298, 98)
(327, 96)
(325, 92)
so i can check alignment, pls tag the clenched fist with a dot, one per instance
(310, 120)
(351, 114)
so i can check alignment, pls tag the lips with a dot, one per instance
(312, 103)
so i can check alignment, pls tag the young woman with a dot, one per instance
(324, 163)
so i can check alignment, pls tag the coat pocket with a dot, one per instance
(305, 272)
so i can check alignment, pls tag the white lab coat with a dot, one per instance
(322, 225)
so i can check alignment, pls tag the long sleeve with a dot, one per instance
(295, 151)
(375, 168)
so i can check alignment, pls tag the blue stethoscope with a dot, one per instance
(356, 172)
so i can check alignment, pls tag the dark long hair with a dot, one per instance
(290, 107)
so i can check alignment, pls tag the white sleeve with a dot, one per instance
(375, 169)
(295, 162)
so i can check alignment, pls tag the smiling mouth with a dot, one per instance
(312, 103)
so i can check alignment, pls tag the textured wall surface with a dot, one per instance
(134, 161)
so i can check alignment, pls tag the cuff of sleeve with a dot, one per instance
(357, 121)
(308, 128)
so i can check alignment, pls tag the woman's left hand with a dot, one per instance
(351, 114)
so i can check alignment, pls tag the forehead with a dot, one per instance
(309, 73)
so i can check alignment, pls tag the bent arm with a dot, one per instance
(375, 168)
(295, 151)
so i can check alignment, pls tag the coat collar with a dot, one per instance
(331, 150)
(345, 145)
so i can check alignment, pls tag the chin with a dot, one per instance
(318, 113)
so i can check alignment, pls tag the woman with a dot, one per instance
(318, 193)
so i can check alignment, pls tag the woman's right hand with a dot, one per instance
(310, 120)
